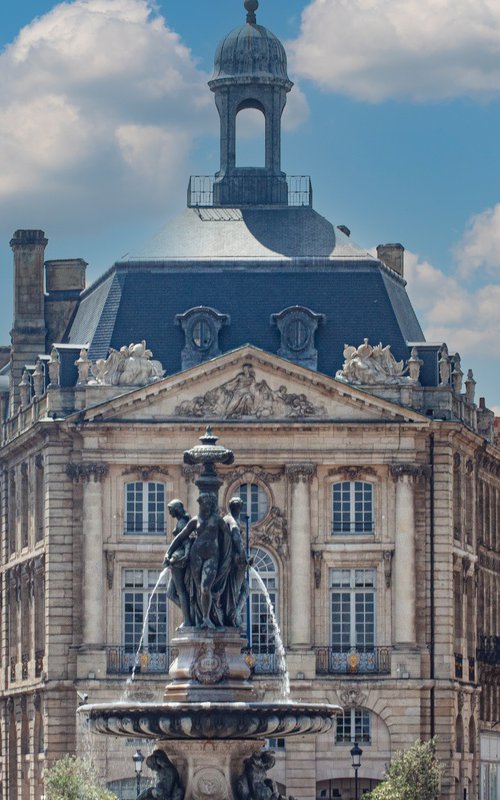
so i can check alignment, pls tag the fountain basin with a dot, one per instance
(177, 721)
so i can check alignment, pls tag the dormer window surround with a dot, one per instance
(297, 326)
(201, 326)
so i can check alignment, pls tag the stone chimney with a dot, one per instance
(393, 256)
(65, 281)
(29, 330)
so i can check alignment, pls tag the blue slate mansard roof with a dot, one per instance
(249, 264)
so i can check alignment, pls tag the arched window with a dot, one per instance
(255, 501)
(262, 635)
(352, 508)
(145, 508)
(250, 137)
(354, 725)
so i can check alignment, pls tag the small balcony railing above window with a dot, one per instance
(121, 661)
(200, 192)
(362, 661)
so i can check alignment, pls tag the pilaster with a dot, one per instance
(300, 477)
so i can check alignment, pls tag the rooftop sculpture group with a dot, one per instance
(370, 366)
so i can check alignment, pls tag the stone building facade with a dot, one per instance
(371, 480)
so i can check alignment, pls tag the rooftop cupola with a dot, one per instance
(250, 72)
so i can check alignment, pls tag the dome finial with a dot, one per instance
(251, 6)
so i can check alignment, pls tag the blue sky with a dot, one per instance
(104, 113)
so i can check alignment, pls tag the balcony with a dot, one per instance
(201, 189)
(369, 661)
(488, 651)
(120, 661)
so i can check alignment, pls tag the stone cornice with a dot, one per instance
(84, 472)
(300, 473)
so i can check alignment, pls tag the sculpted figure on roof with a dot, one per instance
(370, 366)
(130, 366)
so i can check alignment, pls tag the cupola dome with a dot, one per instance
(251, 52)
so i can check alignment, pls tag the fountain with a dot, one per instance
(209, 731)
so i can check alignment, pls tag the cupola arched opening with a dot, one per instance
(251, 125)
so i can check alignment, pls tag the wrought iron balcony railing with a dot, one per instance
(488, 651)
(201, 189)
(363, 661)
(121, 660)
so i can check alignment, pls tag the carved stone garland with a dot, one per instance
(86, 472)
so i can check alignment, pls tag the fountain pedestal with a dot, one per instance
(210, 770)
(209, 667)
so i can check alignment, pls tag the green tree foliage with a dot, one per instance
(73, 778)
(414, 774)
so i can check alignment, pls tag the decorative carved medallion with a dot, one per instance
(300, 473)
(84, 472)
(244, 396)
(145, 471)
(210, 665)
(351, 696)
(352, 473)
(209, 783)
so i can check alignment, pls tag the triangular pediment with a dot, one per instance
(245, 384)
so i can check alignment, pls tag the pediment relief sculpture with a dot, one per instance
(245, 396)
(130, 366)
(371, 366)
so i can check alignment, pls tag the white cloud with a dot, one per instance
(100, 103)
(411, 49)
(467, 320)
(480, 244)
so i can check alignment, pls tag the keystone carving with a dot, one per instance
(145, 471)
(300, 473)
(352, 473)
(351, 696)
(244, 396)
(86, 471)
(256, 472)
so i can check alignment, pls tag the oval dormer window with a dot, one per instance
(297, 334)
(203, 334)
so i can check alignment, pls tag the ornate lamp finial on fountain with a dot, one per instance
(251, 6)
(209, 453)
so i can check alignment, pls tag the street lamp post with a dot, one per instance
(356, 753)
(138, 758)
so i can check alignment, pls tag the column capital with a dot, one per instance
(84, 472)
(300, 473)
(414, 471)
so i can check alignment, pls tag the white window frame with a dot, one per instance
(348, 500)
(353, 600)
(254, 495)
(360, 727)
(145, 581)
(150, 498)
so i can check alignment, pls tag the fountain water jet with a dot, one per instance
(210, 730)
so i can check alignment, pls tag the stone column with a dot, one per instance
(92, 476)
(404, 556)
(300, 477)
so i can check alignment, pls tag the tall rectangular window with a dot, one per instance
(145, 508)
(138, 586)
(354, 726)
(352, 598)
(352, 508)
